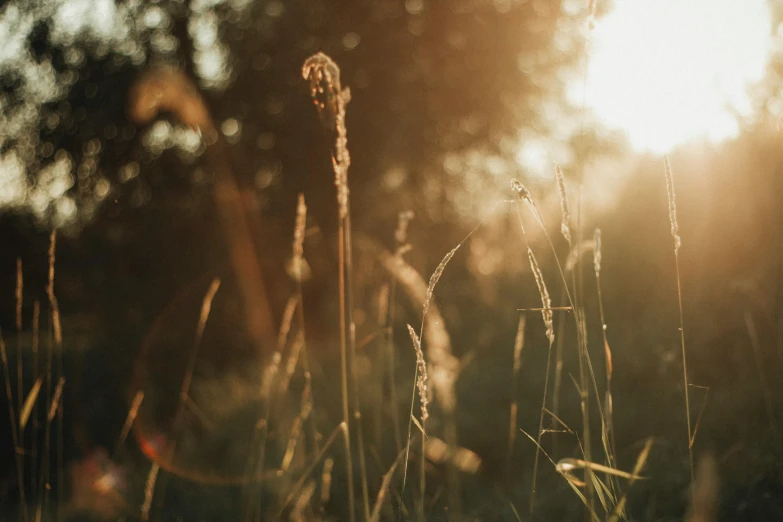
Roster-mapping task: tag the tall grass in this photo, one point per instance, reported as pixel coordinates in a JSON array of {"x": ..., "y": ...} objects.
[
  {"x": 330, "y": 99},
  {"x": 434, "y": 375},
  {"x": 675, "y": 231}
]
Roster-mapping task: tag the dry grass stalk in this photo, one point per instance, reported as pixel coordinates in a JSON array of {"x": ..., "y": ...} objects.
[
  {"x": 257, "y": 458},
  {"x": 546, "y": 302},
  {"x": 330, "y": 100},
  {"x": 641, "y": 460},
  {"x": 675, "y": 229},
  {"x": 299, "y": 233},
  {"x": 436, "y": 277},
  {"x": 29, "y": 403},
  {"x": 298, "y": 511},
  {"x": 565, "y": 228},
  {"x": 385, "y": 483},
  {"x": 421, "y": 381},
  {"x": 584, "y": 360},
  {"x": 340, "y": 429},
  {"x": 19, "y": 293},
  {"x": 285, "y": 324},
  {"x": 296, "y": 430},
  {"x": 568, "y": 465},
  {"x": 149, "y": 491},
  {"x": 129, "y": 419},
  {"x": 442, "y": 363},
  {"x": 19, "y": 373},
  {"x": 326, "y": 481},
  {"x": 387, "y": 310},
  {"x": 58, "y": 344},
  {"x": 597, "y": 255},
  {"x": 291, "y": 362},
  {"x": 677, "y": 243},
  {"x": 14, "y": 430},
  {"x": 421, "y": 385},
  {"x": 36, "y": 373},
  {"x": 521, "y": 191},
  {"x": 607, "y": 413},
  {"x": 300, "y": 346},
  {"x": 55, "y": 404},
  {"x": 184, "y": 391},
  {"x": 519, "y": 343},
  {"x": 270, "y": 375},
  {"x": 58, "y": 334}
]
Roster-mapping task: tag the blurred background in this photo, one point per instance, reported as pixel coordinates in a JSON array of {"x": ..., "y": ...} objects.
[{"x": 449, "y": 102}]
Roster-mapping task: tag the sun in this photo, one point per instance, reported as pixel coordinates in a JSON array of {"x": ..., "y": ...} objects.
[{"x": 670, "y": 71}]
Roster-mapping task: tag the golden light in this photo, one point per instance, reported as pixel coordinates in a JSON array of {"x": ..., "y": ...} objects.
[{"x": 670, "y": 71}]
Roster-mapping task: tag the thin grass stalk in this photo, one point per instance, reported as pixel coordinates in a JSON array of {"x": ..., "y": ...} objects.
[
  {"x": 299, "y": 233},
  {"x": 579, "y": 289},
  {"x": 256, "y": 462},
  {"x": 384, "y": 489},
  {"x": 19, "y": 362},
  {"x": 546, "y": 312},
  {"x": 341, "y": 428},
  {"x": 416, "y": 374},
  {"x": 149, "y": 490},
  {"x": 58, "y": 344},
  {"x": 14, "y": 430},
  {"x": 519, "y": 343},
  {"x": 391, "y": 363},
  {"x": 440, "y": 356},
  {"x": 443, "y": 363},
  {"x": 584, "y": 360},
  {"x": 608, "y": 408},
  {"x": 29, "y": 403},
  {"x": 401, "y": 239},
  {"x": 540, "y": 426},
  {"x": 675, "y": 231},
  {"x": 184, "y": 391},
  {"x": 523, "y": 193},
  {"x": 344, "y": 372},
  {"x": 43, "y": 485},
  {"x": 558, "y": 367},
  {"x": 34, "y": 414},
  {"x": 133, "y": 410},
  {"x": 330, "y": 100},
  {"x": 326, "y": 485},
  {"x": 421, "y": 385},
  {"x": 357, "y": 414}
]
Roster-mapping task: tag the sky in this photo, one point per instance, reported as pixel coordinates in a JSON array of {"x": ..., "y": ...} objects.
[{"x": 672, "y": 71}]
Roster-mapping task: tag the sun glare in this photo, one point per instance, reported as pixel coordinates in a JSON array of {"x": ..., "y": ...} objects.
[{"x": 670, "y": 71}]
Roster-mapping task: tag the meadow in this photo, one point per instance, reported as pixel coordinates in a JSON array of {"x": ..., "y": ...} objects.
[{"x": 570, "y": 356}]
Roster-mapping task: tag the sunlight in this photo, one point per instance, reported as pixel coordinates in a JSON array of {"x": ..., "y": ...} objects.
[{"x": 670, "y": 71}]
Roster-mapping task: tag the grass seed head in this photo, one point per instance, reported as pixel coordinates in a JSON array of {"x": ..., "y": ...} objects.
[
  {"x": 546, "y": 302},
  {"x": 672, "y": 204},
  {"x": 421, "y": 381},
  {"x": 565, "y": 229},
  {"x": 597, "y": 256},
  {"x": 521, "y": 191}
]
